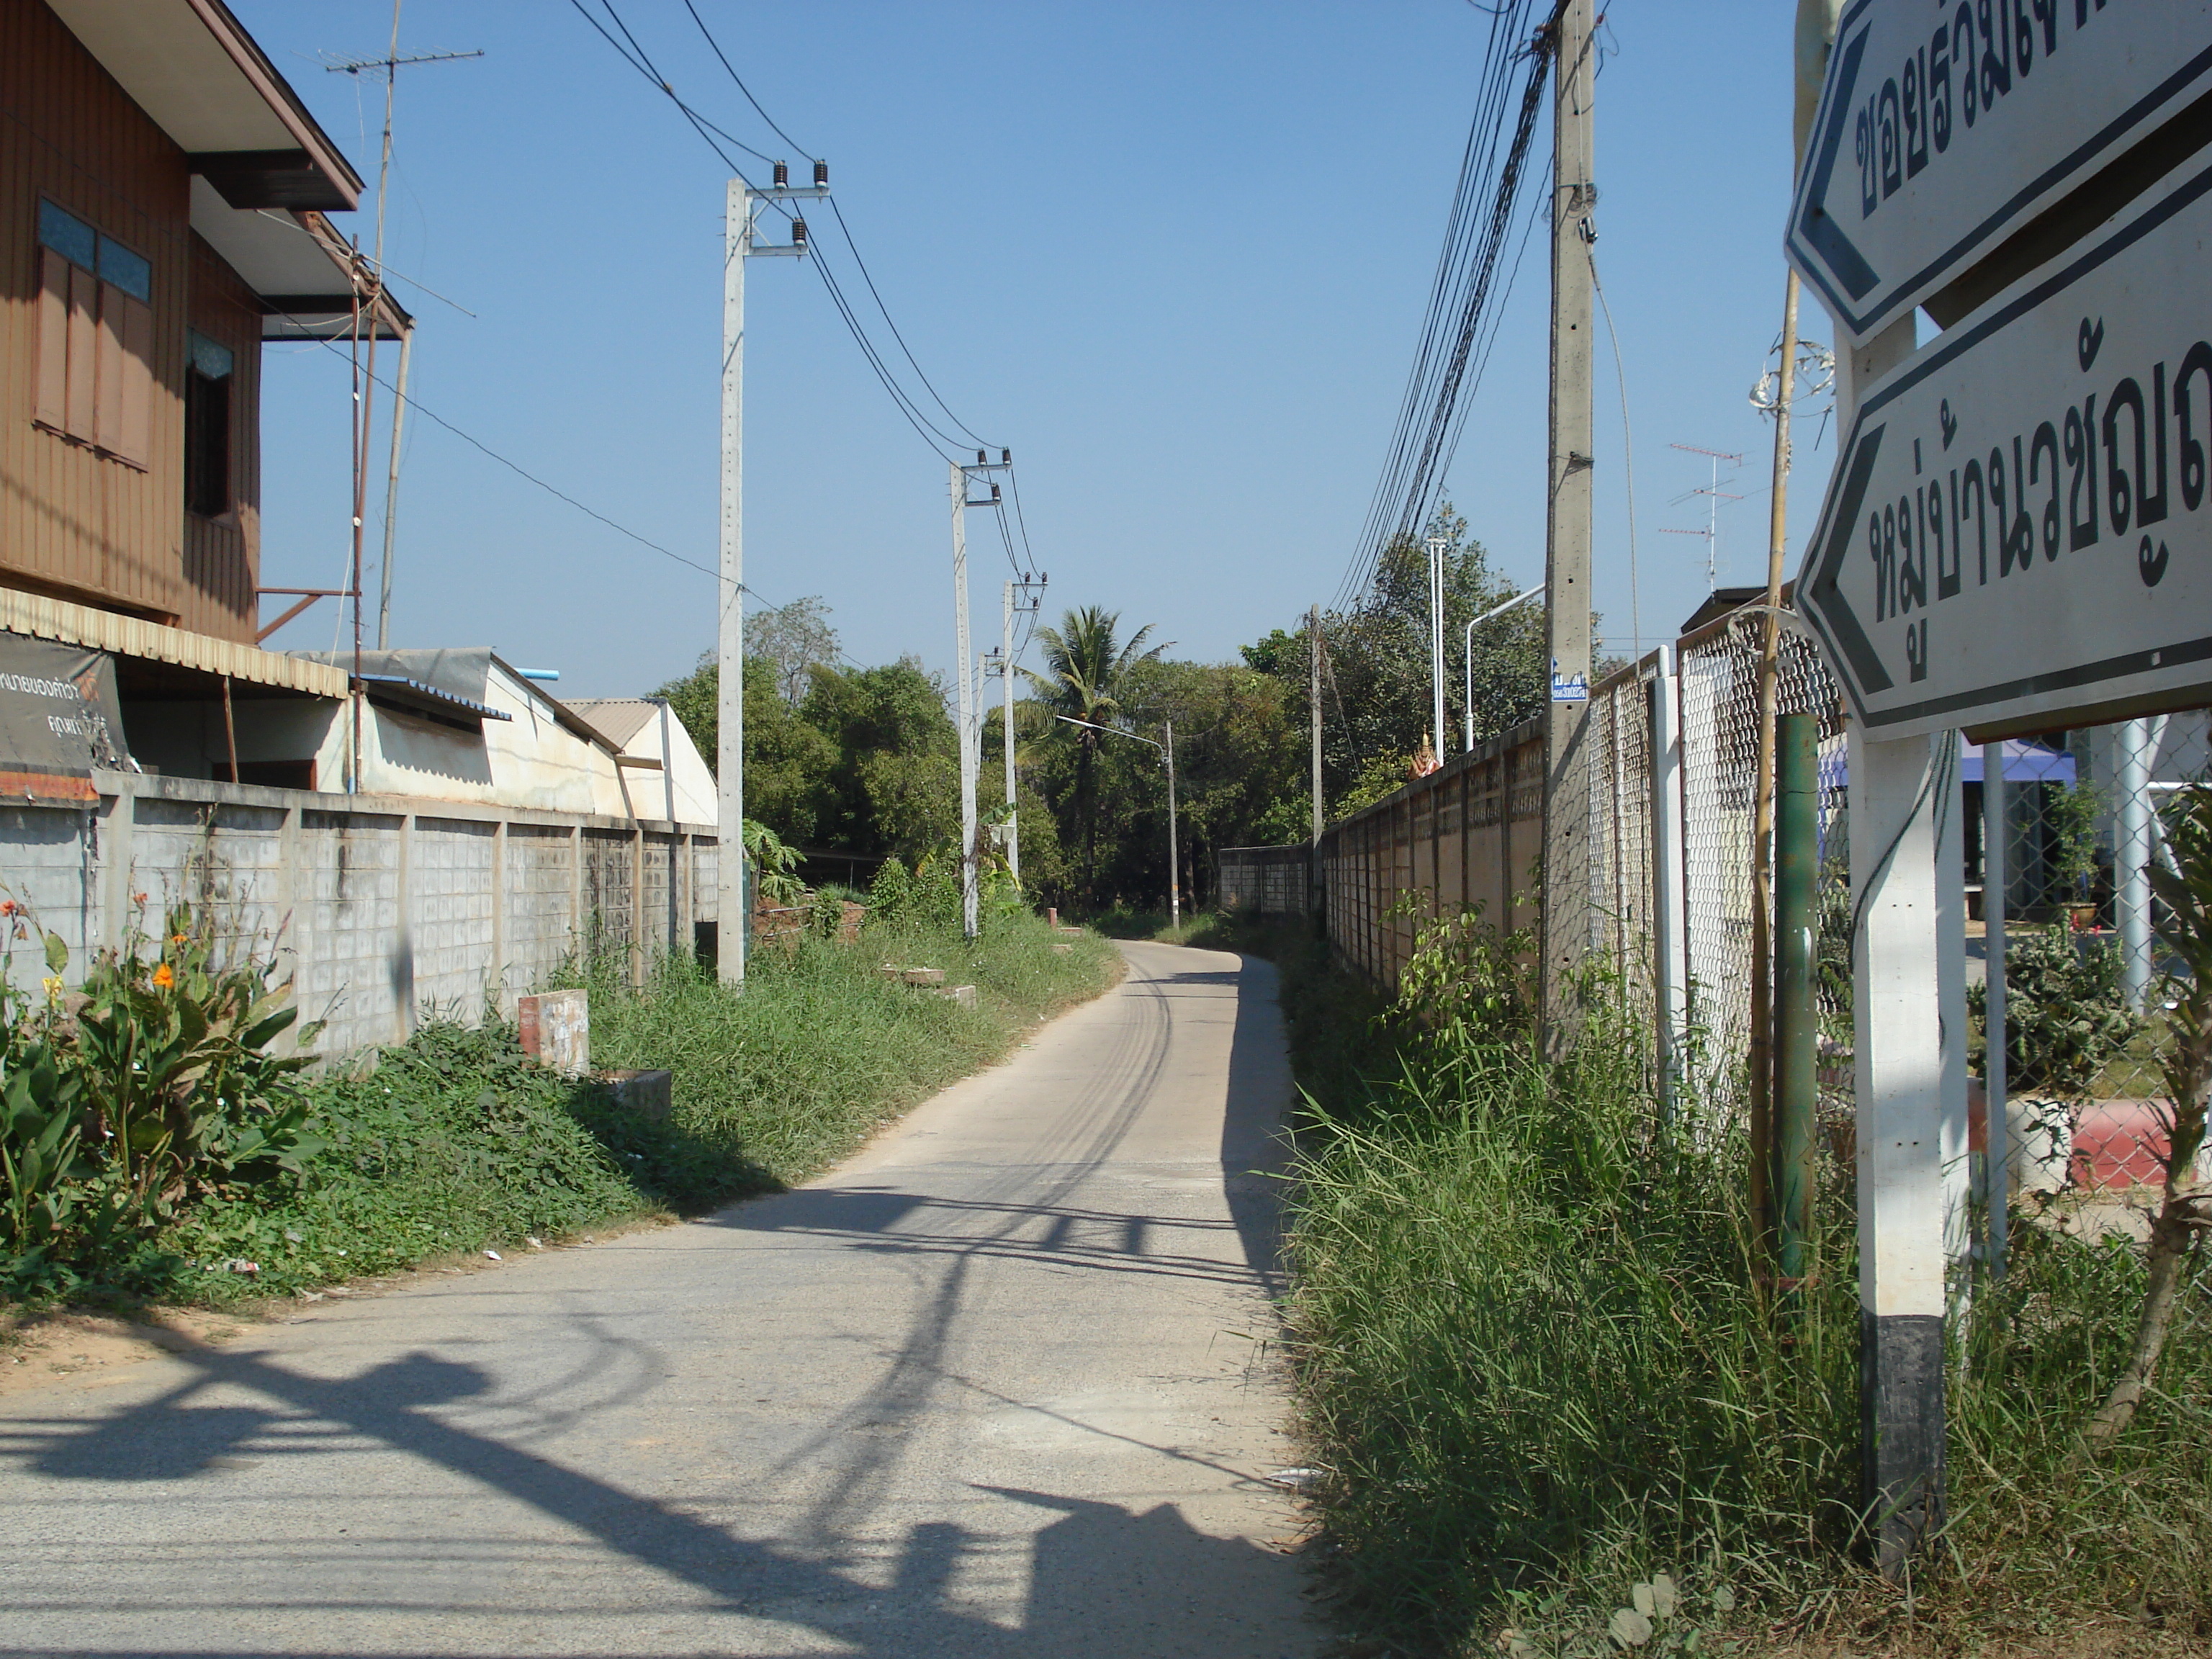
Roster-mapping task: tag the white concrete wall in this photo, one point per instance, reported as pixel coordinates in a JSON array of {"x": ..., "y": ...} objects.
[{"x": 381, "y": 908}]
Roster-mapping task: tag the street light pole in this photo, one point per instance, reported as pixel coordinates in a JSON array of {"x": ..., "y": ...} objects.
[
  {"x": 741, "y": 204},
  {"x": 1467, "y": 653},
  {"x": 1174, "y": 886}
]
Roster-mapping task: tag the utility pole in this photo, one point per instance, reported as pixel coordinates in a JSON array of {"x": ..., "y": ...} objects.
[
  {"x": 1567, "y": 528},
  {"x": 1015, "y": 598},
  {"x": 1175, "y": 876},
  {"x": 739, "y": 245},
  {"x": 1437, "y": 545},
  {"x": 1313, "y": 697},
  {"x": 971, "y": 748},
  {"x": 391, "y": 63}
]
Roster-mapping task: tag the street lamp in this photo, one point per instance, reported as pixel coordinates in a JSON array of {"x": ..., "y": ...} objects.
[
  {"x": 1467, "y": 655},
  {"x": 1175, "y": 886}
]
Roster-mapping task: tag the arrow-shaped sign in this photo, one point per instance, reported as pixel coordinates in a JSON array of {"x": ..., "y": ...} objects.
[
  {"x": 1943, "y": 128},
  {"x": 2019, "y": 533}
]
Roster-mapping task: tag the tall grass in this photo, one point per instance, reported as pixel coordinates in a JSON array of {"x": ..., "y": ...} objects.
[
  {"x": 453, "y": 1141},
  {"x": 1533, "y": 1368},
  {"x": 822, "y": 1048}
]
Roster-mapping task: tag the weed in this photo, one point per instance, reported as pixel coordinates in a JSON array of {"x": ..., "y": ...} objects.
[{"x": 1531, "y": 1360}]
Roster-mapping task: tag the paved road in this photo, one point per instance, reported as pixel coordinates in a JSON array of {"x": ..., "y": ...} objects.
[{"x": 1001, "y": 1385}]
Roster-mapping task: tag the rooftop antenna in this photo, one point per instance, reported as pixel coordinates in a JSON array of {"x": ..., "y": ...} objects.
[
  {"x": 391, "y": 63},
  {"x": 1714, "y": 495}
]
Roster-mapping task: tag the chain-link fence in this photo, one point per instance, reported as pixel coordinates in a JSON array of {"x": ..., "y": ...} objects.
[
  {"x": 1716, "y": 682},
  {"x": 1672, "y": 763},
  {"x": 2073, "y": 821}
]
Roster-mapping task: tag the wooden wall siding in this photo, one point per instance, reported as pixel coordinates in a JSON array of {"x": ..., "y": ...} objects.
[
  {"x": 73, "y": 523},
  {"x": 223, "y": 556}
]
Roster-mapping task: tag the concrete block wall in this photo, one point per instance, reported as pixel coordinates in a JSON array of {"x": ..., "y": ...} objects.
[{"x": 381, "y": 908}]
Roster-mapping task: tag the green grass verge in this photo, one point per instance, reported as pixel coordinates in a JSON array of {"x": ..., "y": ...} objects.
[
  {"x": 1529, "y": 1360},
  {"x": 454, "y": 1142}
]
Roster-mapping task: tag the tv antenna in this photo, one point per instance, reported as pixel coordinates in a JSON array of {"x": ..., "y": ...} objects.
[
  {"x": 391, "y": 63},
  {"x": 1714, "y": 495}
]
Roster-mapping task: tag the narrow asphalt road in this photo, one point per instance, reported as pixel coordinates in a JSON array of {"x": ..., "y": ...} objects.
[{"x": 1003, "y": 1384}]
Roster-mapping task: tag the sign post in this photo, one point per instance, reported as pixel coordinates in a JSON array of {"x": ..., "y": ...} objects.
[{"x": 2014, "y": 537}]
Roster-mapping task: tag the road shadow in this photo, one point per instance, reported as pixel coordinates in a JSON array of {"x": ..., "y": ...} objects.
[{"x": 1104, "y": 1580}]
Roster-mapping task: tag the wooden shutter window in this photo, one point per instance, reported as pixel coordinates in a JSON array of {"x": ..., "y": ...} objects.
[
  {"x": 52, "y": 407},
  {"x": 77, "y": 404},
  {"x": 134, "y": 426},
  {"x": 107, "y": 372}
]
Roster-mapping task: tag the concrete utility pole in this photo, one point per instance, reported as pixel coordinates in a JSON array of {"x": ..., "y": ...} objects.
[
  {"x": 1437, "y": 545},
  {"x": 1567, "y": 528},
  {"x": 1313, "y": 698},
  {"x": 967, "y": 712},
  {"x": 741, "y": 204},
  {"x": 1006, "y": 733},
  {"x": 971, "y": 728},
  {"x": 1017, "y": 599}
]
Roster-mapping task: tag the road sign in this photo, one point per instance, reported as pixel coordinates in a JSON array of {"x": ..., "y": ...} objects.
[
  {"x": 1945, "y": 125},
  {"x": 2017, "y": 534}
]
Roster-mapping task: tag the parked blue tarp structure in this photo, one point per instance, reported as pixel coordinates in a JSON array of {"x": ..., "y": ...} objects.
[{"x": 2026, "y": 761}]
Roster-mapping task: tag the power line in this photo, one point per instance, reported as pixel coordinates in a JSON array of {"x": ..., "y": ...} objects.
[
  {"x": 1459, "y": 316},
  {"x": 742, "y": 87},
  {"x": 416, "y": 407}
]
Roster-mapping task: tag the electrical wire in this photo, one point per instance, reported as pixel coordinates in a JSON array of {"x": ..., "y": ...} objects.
[
  {"x": 1627, "y": 453},
  {"x": 1459, "y": 316},
  {"x": 944, "y": 444},
  {"x": 743, "y": 87}
]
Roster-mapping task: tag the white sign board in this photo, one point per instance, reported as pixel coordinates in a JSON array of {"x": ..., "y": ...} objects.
[
  {"x": 1945, "y": 125},
  {"x": 2018, "y": 529}
]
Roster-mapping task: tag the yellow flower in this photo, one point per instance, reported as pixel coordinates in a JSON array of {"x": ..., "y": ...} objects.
[
  {"x": 164, "y": 976},
  {"x": 53, "y": 984}
]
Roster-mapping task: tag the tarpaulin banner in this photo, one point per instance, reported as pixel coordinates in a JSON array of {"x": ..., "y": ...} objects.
[{"x": 59, "y": 717}]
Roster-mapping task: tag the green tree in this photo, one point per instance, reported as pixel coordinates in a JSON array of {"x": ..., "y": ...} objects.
[
  {"x": 1086, "y": 669},
  {"x": 1376, "y": 693},
  {"x": 793, "y": 640},
  {"x": 894, "y": 784}
]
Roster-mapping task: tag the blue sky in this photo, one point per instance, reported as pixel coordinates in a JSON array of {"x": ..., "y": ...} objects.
[{"x": 1174, "y": 255}]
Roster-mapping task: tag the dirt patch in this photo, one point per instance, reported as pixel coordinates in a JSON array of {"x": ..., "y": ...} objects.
[
  {"x": 83, "y": 1350},
  {"x": 76, "y": 1349}
]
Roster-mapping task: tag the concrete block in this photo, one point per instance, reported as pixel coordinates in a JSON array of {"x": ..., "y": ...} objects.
[
  {"x": 557, "y": 1030},
  {"x": 963, "y": 994},
  {"x": 649, "y": 1094},
  {"x": 1062, "y": 950},
  {"x": 922, "y": 975}
]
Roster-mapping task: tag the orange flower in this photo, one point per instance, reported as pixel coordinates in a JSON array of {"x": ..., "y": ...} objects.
[
  {"x": 164, "y": 976},
  {"x": 8, "y": 907},
  {"x": 176, "y": 939}
]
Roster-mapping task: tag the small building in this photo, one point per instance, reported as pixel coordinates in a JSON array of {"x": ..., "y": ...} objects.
[{"x": 665, "y": 775}]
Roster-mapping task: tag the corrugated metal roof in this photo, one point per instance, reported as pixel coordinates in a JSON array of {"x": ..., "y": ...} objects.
[
  {"x": 620, "y": 718},
  {"x": 128, "y": 636}
]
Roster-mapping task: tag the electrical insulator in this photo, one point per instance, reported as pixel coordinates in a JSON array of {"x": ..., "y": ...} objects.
[
  {"x": 821, "y": 175},
  {"x": 1005, "y": 458},
  {"x": 798, "y": 233},
  {"x": 994, "y": 495},
  {"x": 982, "y": 460},
  {"x": 782, "y": 174}
]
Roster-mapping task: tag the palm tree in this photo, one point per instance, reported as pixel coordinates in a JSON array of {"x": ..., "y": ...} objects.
[{"x": 1085, "y": 671}]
